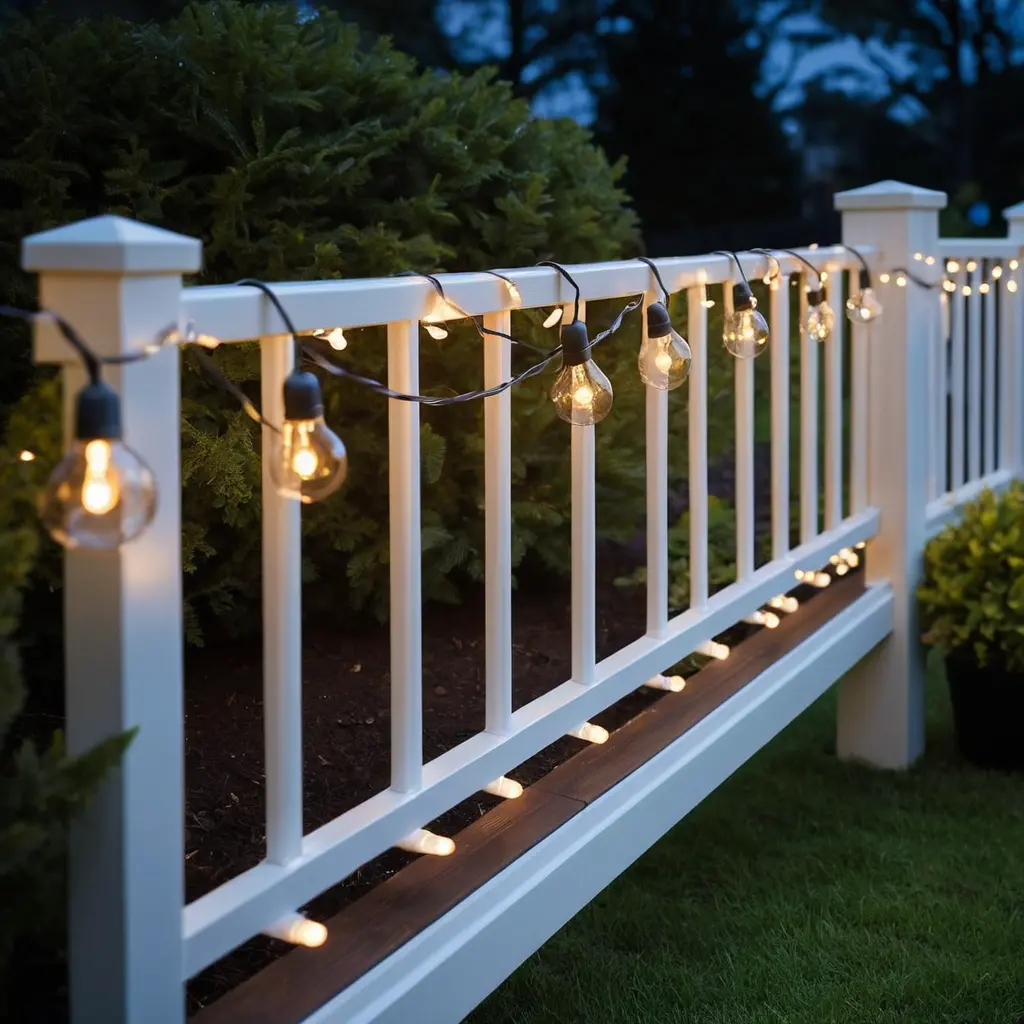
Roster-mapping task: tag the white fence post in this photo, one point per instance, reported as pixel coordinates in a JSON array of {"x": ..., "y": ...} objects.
[
  {"x": 881, "y": 702},
  {"x": 1012, "y": 340},
  {"x": 119, "y": 284}
]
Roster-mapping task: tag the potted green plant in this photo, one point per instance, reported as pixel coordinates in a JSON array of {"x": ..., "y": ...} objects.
[{"x": 971, "y": 605}]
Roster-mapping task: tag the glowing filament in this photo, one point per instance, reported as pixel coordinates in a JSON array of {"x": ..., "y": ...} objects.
[
  {"x": 27, "y": 456},
  {"x": 99, "y": 489}
]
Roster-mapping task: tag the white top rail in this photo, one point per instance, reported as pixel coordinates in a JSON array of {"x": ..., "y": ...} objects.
[
  {"x": 232, "y": 313},
  {"x": 980, "y": 248}
]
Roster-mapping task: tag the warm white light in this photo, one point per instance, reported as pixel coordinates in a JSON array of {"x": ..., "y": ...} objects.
[
  {"x": 422, "y": 841},
  {"x": 842, "y": 569},
  {"x": 784, "y": 603},
  {"x": 760, "y": 618},
  {"x": 967, "y": 289},
  {"x": 884, "y": 278},
  {"x": 707, "y": 303},
  {"x": 901, "y": 281},
  {"x": 673, "y": 684},
  {"x": 553, "y": 317},
  {"x": 1014, "y": 264},
  {"x": 590, "y": 733},
  {"x": 799, "y": 574},
  {"x": 713, "y": 649},
  {"x": 813, "y": 246},
  {"x": 299, "y": 930},
  {"x": 983, "y": 287},
  {"x": 818, "y": 579},
  {"x": 304, "y": 463},
  {"x": 950, "y": 286},
  {"x": 972, "y": 266},
  {"x": 833, "y": 559},
  {"x": 997, "y": 271},
  {"x": 504, "y": 787},
  {"x": 860, "y": 545},
  {"x": 850, "y": 557},
  {"x": 27, "y": 456},
  {"x": 436, "y": 331},
  {"x": 337, "y": 340},
  {"x": 1011, "y": 286},
  {"x": 952, "y": 267},
  {"x": 583, "y": 396},
  {"x": 767, "y": 279},
  {"x": 919, "y": 256},
  {"x": 929, "y": 260},
  {"x": 99, "y": 489}
]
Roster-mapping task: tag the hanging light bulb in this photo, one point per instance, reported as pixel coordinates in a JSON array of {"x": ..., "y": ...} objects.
[
  {"x": 664, "y": 355},
  {"x": 820, "y": 321},
  {"x": 308, "y": 461},
  {"x": 744, "y": 331},
  {"x": 101, "y": 494},
  {"x": 863, "y": 306},
  {"x": 582, "y": 393}
]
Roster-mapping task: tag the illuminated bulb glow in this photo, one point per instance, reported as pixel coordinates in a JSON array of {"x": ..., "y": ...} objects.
[
  {"x": 950, "y": 286},
  {"x": 784, "y": 603},
  {"x": 860, "y": 545},
  {"x": 583, "y": 396},
  {"x": 919, "y": 256},
  {"x": 842, "y": 569},
  {"x": 833, "y": 559},
  {"x": 503, "y": 787},
  {"x": 27, "y": 456},
  {"x": 884, "y": 278},
  {"x": 298, "y": 930},
  {"x": 422, "y": 841},
  {"x": 901, "y": 282},
  {"x": 99, "y": 492},
  {"x": 1011, "y": 286},
  {"x": 997, "y": 271},
  {"x": 984, "y": 288},
  {"x": 713, "y": 649},
  {"x": 799, "y": 574},
  {"x": 673, "y": 684},
  {"x": 553, "y": 317},
  {"x": 767, "y": 619},
  {"x": 436, "y": 331},
  {"x": 930, "y": 261},
  {"x": 818, "y": 579},
  {"x": 1014, "y": 264},
  {"x": 972, "y": 266},
  {"x": 967, "y": 289},
  {"x": 952, "y": 267},
  {"x": 589, "y": 733},
  {"x": 850, "y": 557}
]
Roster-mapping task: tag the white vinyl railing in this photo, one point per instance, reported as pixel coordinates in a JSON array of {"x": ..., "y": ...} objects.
[{"x": 120, "y": 283}]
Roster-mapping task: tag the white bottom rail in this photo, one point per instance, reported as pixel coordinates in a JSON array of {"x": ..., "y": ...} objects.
[
  {"x": 448, "y": 968},
  {"x": 245, "y": 905},
  {"x": 946, "y": 509}
]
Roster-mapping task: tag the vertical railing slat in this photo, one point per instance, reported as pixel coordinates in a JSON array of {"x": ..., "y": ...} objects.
[
  {"x": 697, "y": 321},
  {"x": 657, "y": 501},
  {"x": 498, "y": 526},
  {"x": 779, "y": 344},
  {"x": 282, "y": 626},
  {"x": 584, "y": 546},
  {"x": 834, "y": 405},
  {"x": 860, "y": 355},
  {"x": 989, "y": 402},
  {"x": 1010, "y": 365},
  {"x": 974, "y": 343},
  {"x": 940, "y": 378},
  {"x": 744, "y": 410},
  {"x": 406, "y": 561},
  {"x": 808, "y": 424},
  {"x": 956, "y": 404}
]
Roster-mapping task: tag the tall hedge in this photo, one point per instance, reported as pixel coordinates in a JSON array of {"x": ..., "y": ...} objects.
[{"x": 294, "y": 153}]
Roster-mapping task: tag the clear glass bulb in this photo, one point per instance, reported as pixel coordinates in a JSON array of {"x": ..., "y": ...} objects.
[
  {"x": 664, "y": 362},
  {"x": 100, "y": 496},
  {"x": 308, "y": 461},
  {"x": 863, "y": 307},
  {"x": 821, "y": 322},
  {"x": 745, "y": 333},
  {"x": 582, "y": 394}
]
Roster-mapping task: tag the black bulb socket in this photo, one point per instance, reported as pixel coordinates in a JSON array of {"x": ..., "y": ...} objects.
[
  {"x": 865, "y": 279},
  {"x": 815, "y": 297},
  {"x": 659, "y": 323},
  {"x": 303, "y": 399},
  {"x": 575, "y": 343},
  {"x": 743, "y": 297},
  {"x": 97, "y": 413}
]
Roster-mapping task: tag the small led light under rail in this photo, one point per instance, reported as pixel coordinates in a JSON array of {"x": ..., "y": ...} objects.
[
  {"x": 299, "y": 930},
  {"x": 713, "y": 649},
  {"x": 503, "y": 787},
  {"x": 784, "y": 603},
  {"x": 590, "y": 733},
  {"x": 761, "y": 618},
  {"x": 672, "y": 684},
  {"x": 422, "y": 841}
]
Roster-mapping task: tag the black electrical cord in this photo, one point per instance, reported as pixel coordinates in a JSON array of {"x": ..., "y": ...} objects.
[
  {"x": 807, "y": 263},
  {"x": 776, "y": 272},
  {"x": 863, "y": 262},
  {"x": 576, "y": 288},
  {"x": 929, "y": 285},
  {"x": 657, "y": 277}
]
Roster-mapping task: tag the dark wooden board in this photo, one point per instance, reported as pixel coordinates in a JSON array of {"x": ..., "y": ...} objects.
[{"x": 375, "y": 926}]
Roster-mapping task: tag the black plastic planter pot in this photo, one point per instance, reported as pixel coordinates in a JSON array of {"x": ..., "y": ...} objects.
[{"x": 988, "y": 712}]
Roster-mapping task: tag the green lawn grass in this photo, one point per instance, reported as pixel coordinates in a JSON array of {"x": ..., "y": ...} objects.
[{"x": 806, "y": 891}]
